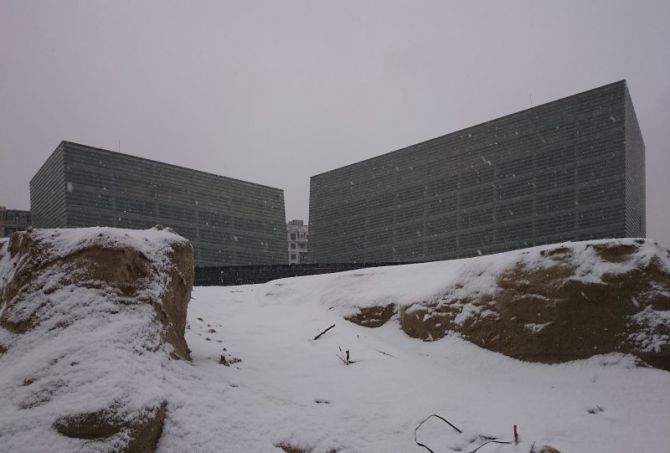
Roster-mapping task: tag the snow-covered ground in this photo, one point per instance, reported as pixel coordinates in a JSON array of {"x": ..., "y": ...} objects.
[{"x": 290, "y": 389}]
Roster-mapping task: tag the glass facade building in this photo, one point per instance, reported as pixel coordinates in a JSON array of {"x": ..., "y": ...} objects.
[
  {"x": 229, "y": 222},
  {"x": 571, "y": 169}
]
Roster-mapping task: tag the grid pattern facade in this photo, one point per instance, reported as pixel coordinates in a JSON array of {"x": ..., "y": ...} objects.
[
  {"x": 13, "y": 220},
  {"x": 229, "y": 222},
  {"x": 571, "y": 169}
]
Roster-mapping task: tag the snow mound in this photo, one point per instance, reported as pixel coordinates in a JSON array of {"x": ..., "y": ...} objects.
[
  {"x": 89, "y": 318},
  {"x": 551, "y": 303}
]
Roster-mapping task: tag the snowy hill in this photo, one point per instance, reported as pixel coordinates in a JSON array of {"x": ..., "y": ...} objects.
[
  {"x": 258, "y": 381},
  {"x": 292, "y": 390}
]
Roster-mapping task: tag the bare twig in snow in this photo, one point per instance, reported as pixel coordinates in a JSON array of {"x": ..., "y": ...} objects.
[
  {"x": 319, "y": 335},
  {"x": 344, "y": 356},
  {"x": 424, "y": 421},
  {"x": 487, "y": 439}
]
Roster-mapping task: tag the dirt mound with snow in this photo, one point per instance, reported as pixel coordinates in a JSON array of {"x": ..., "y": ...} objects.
[
  {"x": 549, "y": 304},
  {"x": 88, "y": 318}
]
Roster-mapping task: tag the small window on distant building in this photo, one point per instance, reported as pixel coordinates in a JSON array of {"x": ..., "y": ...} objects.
[
  {"x": 292, "y": 245},
  {"x": 293, "y": 236},
  {"x": 292, "y": 256}
]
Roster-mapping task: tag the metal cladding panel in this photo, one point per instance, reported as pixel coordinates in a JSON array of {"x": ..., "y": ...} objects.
[
  {"x": 552, "y": 173},
  {"x": 636, "y": 212},
  {"x": 47, "y": 193},
  {"x": 229, "y": 222}
]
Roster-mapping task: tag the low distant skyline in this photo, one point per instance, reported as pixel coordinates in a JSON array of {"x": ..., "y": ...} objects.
[{"x": 275, "y": 92}]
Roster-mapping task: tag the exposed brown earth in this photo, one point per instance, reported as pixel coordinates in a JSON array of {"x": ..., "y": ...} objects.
[
  {"x": 373, "y": 316},
  {"x": 124, "y": 278},
  {"x": 549, "y": 313},
  {"x": 121, "y": 269},
  {"x": 143, "y": 431}
]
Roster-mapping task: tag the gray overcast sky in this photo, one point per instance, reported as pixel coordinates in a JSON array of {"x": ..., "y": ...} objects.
[{"x": 276, "y": 91}]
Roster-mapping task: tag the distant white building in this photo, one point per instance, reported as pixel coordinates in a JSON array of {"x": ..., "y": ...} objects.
[{"x": 297, "y": 235}]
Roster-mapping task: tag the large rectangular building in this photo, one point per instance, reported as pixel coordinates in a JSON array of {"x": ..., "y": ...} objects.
[
  {"x": 229, "y": 222},
  {"x": 571, "y": 169}
]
